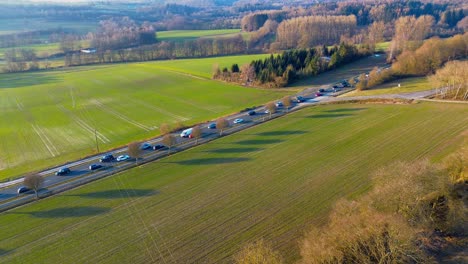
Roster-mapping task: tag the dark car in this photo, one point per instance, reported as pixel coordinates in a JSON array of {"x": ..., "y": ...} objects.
[
  {"x": 159, "y": 147},
  {"x": 212, "y": 126},
  {"x": 95, "y": 166},
  {"x": 107, "y": 158},
  {"x": 318, "y": 94},
  {"x": 63, "y": 171},
  {"x": 323, "y": 90},
  {"x": 145, "y": 146},
  {"x": 251, "y": 113},
  {"x": 22, "y": 189},
  {"x": 300, "y": 99}
]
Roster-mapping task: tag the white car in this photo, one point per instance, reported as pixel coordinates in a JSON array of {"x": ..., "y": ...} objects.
[
  {"x": 238, "y": 120},
  {"x": 123, "y": 157}
]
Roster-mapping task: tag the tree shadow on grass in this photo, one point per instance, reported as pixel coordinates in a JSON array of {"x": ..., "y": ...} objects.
[
  {"x": 233, "y": 150},
  {"x": 4, "y": 252},
  {"x": 259, "y": 141},
  {"x": 282, "y": 133},
  {"x": 211, "y": 161},
  {"x": 22, "y": 80},
  {"x": 329, "y": 115},
  {"x": 345, "y": 110},
  {"x": 119, "y": 193},
  {"x": 70, "y": 212}
]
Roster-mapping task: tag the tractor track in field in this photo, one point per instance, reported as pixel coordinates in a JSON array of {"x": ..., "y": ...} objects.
[
  {"x": 45, "y": 140},
  {"x": 160, "y": 110},
  {"x": 119, "y": 115},
  {"x": 85, "y": 126}
]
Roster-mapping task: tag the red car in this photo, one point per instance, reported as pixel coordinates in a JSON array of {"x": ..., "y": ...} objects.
[{"x": 318, "y": 94}]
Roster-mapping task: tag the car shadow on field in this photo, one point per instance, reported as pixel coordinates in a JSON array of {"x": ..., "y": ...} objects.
[
  {"x": 233, "y": 150},
  {"x": 211, "y": 161},
  {"x": 339, "y": 110},
  {"x": 328, "y": 115},
  {"x": 77, "y": 211},
  {"x": 259, "y": 141},
  {"x": 282, "y": 133},
  {"x": 119, "y": 193}
]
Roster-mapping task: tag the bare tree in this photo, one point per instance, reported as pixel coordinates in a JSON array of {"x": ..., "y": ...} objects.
[
  {"x": 286, "y": 102},
  {"x": 134, "y": 150},
  {"x": 34, "y": 182},
  {"x": 247, "y": 74},
  {"x": 169, "y": 140},
  {"x": 196, "y": 133},
  {"x": 221, "y": 124},
  {"x": 164, "y": 128},
  {"x": 271, "y": 107}
]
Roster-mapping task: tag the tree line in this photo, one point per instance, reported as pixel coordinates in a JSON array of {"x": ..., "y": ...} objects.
[
  {"x": 285, "y": 68},
  {"x": 431, "y": 56}
]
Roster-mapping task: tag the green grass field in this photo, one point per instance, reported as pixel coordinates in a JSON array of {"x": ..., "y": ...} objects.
[
  {"x": 180, "y": 35},
  {"x": 407, "y": 85},
  {"x": 40, "y": 49},
  {"x": 43, "y": 49},
  {"x": 382, "y": 46},
  {"x": 202, "y": 205},
  {"x": 50, "y": 117},
  {"x": 204, "y": 67}
]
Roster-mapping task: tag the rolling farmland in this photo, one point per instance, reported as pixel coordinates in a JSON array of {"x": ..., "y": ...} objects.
[
  {"x": 202, "y": 205},
  {"x": 49, "y": 117}
]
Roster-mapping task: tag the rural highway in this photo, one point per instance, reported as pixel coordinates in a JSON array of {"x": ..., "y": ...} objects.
[
  {"x": 80, "y": 173},
  {"x": 80, "y": 169}
]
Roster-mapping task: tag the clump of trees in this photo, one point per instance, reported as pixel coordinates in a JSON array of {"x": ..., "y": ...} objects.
[
  {"x": 122, "y": 33},
  {"x": 283, "y": 69},
  {"x": 451, "y": 81},
  {"x": 431, "y": 55},
  {"x": 255, "y": 21},
  {"x": 427, "y": 60},
  {"x": 310, "y": 31},
  {"x": 23, "y": 59},
  {"x": 410, "y": 33}
]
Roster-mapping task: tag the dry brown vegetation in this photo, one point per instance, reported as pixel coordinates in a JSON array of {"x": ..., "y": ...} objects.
[
  {"x": 258, "y": 252},
  {"x": 452, "y": 81}
]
